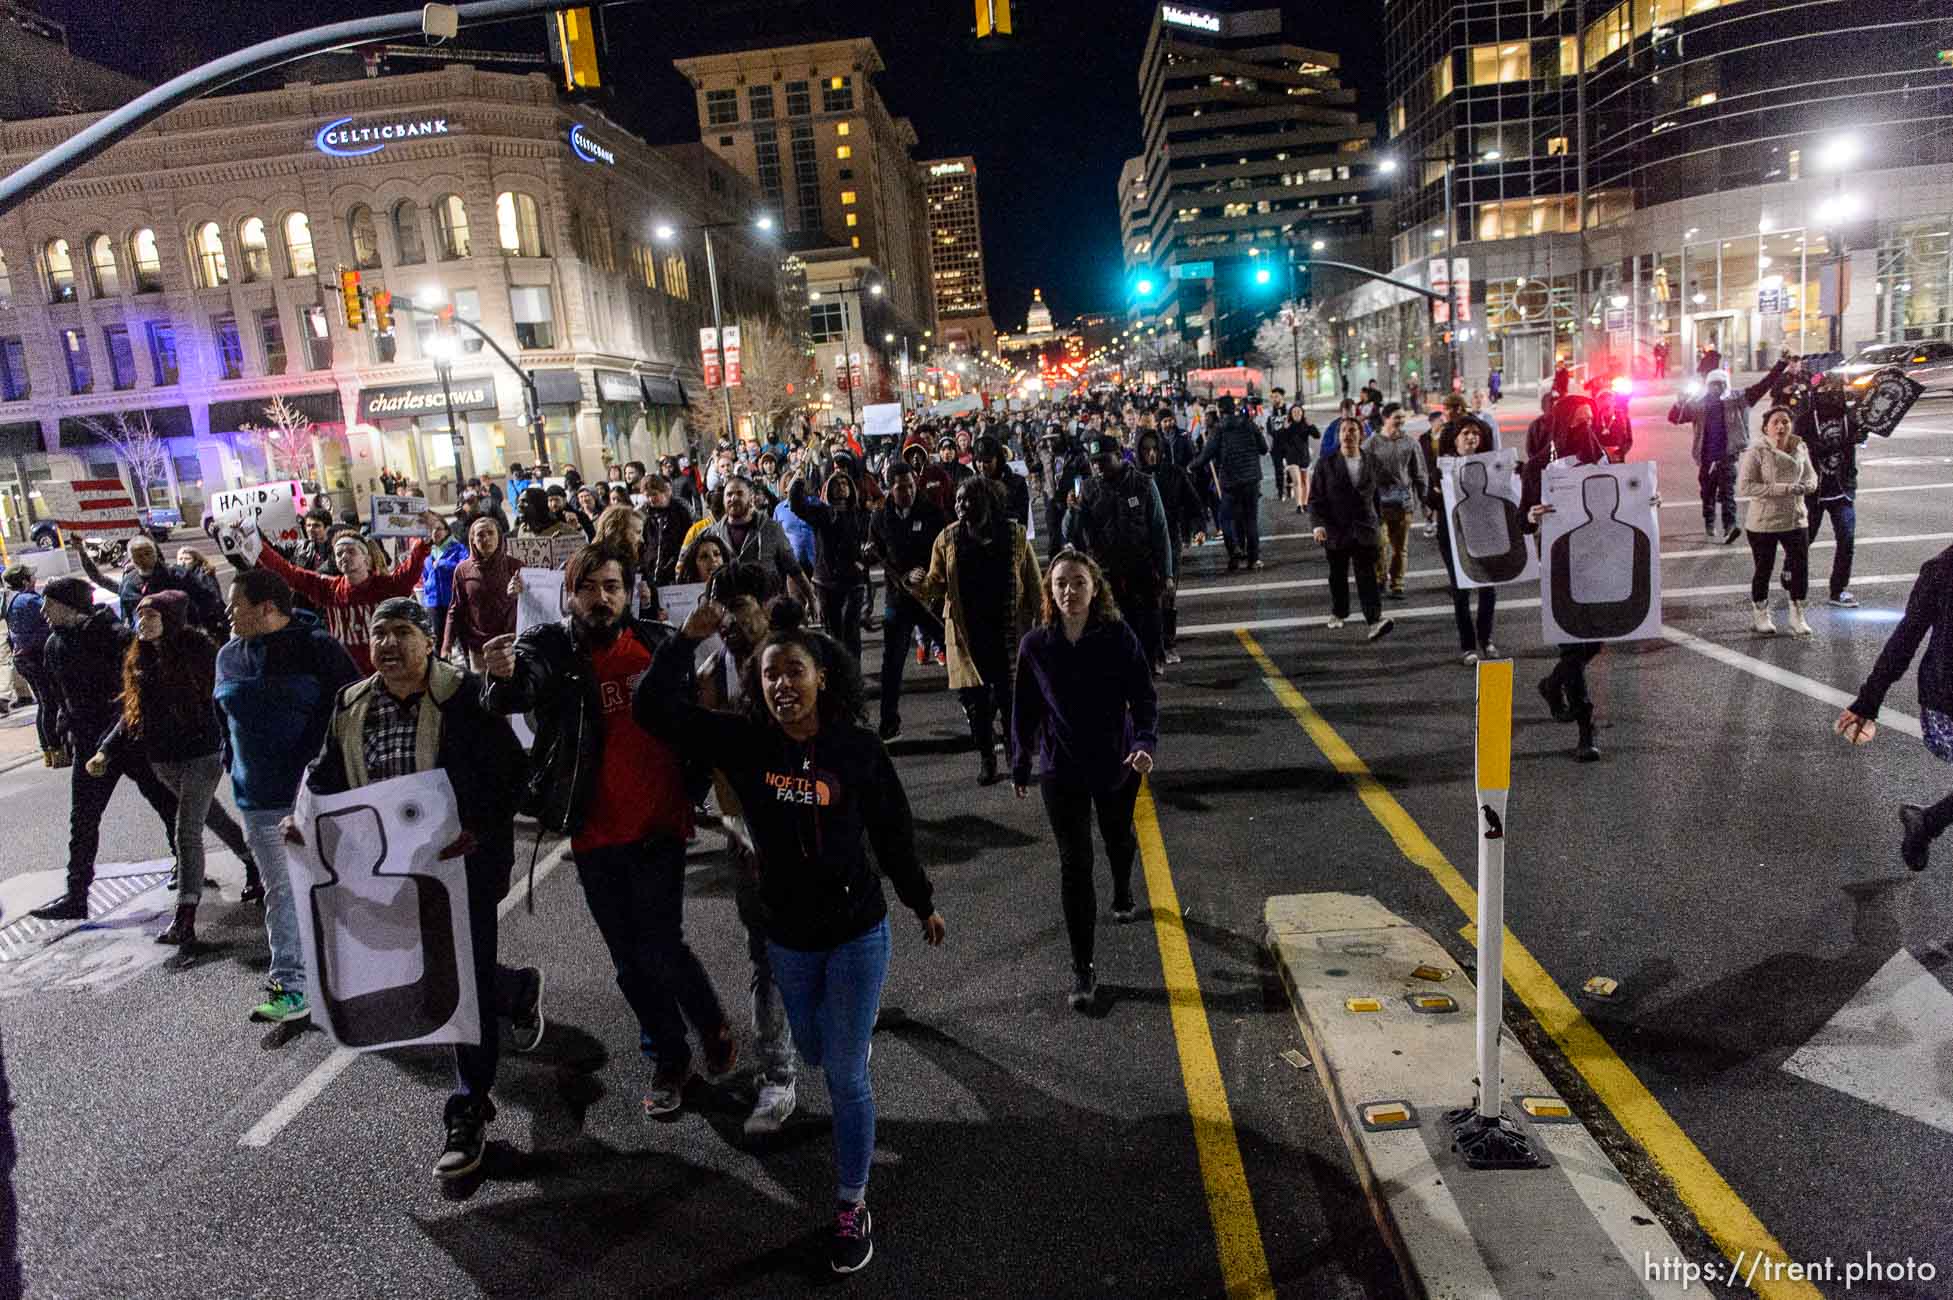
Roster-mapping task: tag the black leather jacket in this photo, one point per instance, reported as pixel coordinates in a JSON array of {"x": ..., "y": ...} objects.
[{"x": 553, "y": 679}]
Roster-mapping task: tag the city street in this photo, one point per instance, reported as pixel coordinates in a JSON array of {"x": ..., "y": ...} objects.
[{"x": 1783, "y": 1009}]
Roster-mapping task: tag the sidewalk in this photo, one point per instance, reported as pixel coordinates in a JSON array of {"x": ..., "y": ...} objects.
[{"x": 19, "y": 742}]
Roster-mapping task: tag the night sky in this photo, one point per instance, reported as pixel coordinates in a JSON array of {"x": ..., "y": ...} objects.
[{"x": 1049, "y": 120}]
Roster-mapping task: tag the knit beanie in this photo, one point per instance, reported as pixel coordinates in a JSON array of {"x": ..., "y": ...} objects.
[
  {"x": 172, "y": 606},
  {"x": 76, "y": 593}
]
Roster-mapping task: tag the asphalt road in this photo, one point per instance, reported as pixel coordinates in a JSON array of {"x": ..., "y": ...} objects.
[{"x": 1729, "y": 861}]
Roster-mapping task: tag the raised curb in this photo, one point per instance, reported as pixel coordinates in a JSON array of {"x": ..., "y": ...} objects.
[{"x": 1574, "y": 1228}]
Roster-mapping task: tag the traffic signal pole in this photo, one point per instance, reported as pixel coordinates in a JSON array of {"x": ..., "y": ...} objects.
[{"x": 431, "y": 20}]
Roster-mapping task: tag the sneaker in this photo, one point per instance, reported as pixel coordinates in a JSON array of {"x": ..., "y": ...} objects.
[
  {"x": 68, "y": 907},
  {"x": 1491, "y": 651},
  {"x": 852, "y": 1244},
  {"x": 721, "y": 1053},
  {"x": 1710, "y": 531},
  {"x": 1381, "y": 630},
  {"x": 1915, "y": 843},
  {"x": 941, "y": 656},
  {"x": 284, "y": 1004},
  {"x": 1397, "y": 593},
  {"x": 889, "y": 731},
  {"x": 770, "y": 1112},
  {"x": 1333, "y": 623},
  {"x": 1730, "y": 534},
  {"x": 253, "y": 892},
  {"x": 1468, "y": 658},
  {"x": 667, "y": 1093},
  {"x": 921, "y": 655},
  {"x": 466, "y": 1120},
  {"x": 1255, "y": 565},
  {"x": 1159, "y": 670},
  {"x": 526, "y": 1022},
  {"x": 1124, "y": 910},
  {"x": 1845, "y": 600},
  {"x": 1084, "y": 990},
  {"x": 1172, "y": 656},
  {"x": 1556, "y": 701}
]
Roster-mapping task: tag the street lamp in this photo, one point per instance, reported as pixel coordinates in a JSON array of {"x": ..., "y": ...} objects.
[
  {"x": 441, "y": 350},
  {"x": 1836, "y": 155},
  {"x": 666, "y": 233}
]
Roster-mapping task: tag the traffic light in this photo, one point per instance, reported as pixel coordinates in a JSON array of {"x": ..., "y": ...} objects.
[
  {"x": 576, "y": 42},
  {"x": 992, "y": 18},
  {"x": 349, "y": 297},
  {"x": 382, "y": 312},
  {"x": 1263, "y": 275}
]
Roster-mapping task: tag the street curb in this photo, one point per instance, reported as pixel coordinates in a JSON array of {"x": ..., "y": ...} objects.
[{"x": 1573, "y": 1228}]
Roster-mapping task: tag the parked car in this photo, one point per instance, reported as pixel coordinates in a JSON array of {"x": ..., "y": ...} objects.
[{"x": 1929, "y": 362}]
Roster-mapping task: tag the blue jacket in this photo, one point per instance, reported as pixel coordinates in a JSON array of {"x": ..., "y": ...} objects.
[
  {"x": 437, "y": 574},
  {"x": 274, "y": 698},
  {"x": 27, "y": 625},
  {"x": 800, "y": 533}
]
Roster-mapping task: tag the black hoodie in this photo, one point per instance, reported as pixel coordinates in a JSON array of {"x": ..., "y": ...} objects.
[{"x": 813, "y": 808}]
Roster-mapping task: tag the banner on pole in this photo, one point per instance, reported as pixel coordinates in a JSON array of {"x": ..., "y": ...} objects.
[
  {"x": 730, "y": 344},
  {"x": 708, "y": 349},
  {"x": 382, "y": 917}
]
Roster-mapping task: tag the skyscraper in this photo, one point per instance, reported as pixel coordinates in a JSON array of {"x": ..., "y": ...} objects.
[
  {"x": 807, "y": 126},
  {"x": 949, "y": 187},
  {"x": 1252, "y": 148}
]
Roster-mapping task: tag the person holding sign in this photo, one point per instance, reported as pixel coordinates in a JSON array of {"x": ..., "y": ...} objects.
[
  {"x": 437, "y": 573},
  {"x": 418, "y": 714},
  {"x": 1465, "y": 437},
  {"x": 348, "y": 599},
  {"x": 484, "y": 603}
]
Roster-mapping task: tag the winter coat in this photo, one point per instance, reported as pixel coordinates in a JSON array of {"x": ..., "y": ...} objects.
[
  {"x": 1235, "y": 449},
  {"x": 664, "y": 538},
  {"x": 206, "y": 606},
  {"x": 1735, "y": 413},
  {"x": 347, "y": 608},
  {"x": 554, "y": 680},
  {"x": 483, "y": 607},
  {"x": 1080, "y": 708},
  {"x": 1345, "y": 508},
  {"x": 1929, "y": 609},
  {"x": 839, "y": 536},
  {"x": 766, "y": 545},
  {"x": 437, "y": 574},
  {"x": 274, "y": 695},
  {"x": 1401, "y": 481},
  {"x": 1123, "y": 526},
  {"x": 1830, "y": 428},
  {"x": 1775, "y": 484},
  {"x": 906, "y": 541},
  {"x": 940, "y": 583},
  {"x": 85, "y": 658},
  {"x": 176, "y": 731}
]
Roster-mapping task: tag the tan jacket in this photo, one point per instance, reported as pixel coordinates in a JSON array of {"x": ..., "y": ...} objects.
[
  {"x": 941, "y": 584},
  {"x": 1775, "y": 484}
]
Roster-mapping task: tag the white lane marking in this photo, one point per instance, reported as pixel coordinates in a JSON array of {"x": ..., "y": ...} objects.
[
  {"x": 1529, "y": 602},
  {"x": 288, "y": 1108},
  {"x": 1887, "y": 1046},
  {"x": 1904, "y": 723},
  {"x": 1700, "y": 553}
]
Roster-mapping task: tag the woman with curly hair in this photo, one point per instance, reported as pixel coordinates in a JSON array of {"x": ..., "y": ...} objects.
[
  {"x": 168, "y": 676},
  {"x": 1085, "y": 706},
  {"x": 817, "y": 788},
  {"x": 701, "y": 558}
]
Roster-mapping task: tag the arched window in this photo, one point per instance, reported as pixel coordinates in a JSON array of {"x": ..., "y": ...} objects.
[
  {"x": 366, "y": 242},
  {"x": 6, "y": 284},
  {"x": 60, "y": 272},
  {"x": 254, "y": 249},
  {"x": 147, "y": 260},
  {"x": 208, "y": 249},
  {"x": 101, "y": 266},
  {"x": 406, "y": 233},
  {"x": 298, "y": 244},
  {"x": 518, "y": 225},
  {"x": 451, "y": 220}
]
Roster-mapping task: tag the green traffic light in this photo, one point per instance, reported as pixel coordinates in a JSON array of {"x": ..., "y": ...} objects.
[
  {"x": 1263, "y": 276},
  {"x": 1146, "y": 286}
]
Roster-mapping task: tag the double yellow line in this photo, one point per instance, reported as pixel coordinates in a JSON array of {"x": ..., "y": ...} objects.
[{"x": 1715, "y": 1204}]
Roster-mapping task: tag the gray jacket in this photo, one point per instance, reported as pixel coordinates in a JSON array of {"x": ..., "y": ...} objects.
[
  {"x": 1400, "y": 469},
  {"x": 1736, "y": 404},
  {"x": 766, "y": 546}
]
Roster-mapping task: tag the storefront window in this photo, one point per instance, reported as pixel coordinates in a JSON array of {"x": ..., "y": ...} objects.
[{"x": 1915, "y": 280}]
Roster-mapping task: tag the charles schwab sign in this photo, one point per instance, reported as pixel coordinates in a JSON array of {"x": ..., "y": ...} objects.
[
  {"x": 347, "y": 137},
  {"x": 402, "y": 401}
]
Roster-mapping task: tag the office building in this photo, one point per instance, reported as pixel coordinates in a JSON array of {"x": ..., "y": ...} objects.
[
  {"x": 191, "y": 273},
  {"x": 1673, "y": 175},
  {"x": 949, "y": 187},
  {"x": 1251, "y": 149},
  {"x": 806, "y": 126}
]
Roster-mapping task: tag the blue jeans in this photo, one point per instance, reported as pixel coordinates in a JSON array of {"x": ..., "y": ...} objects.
[
  {"x": 832, "y": 999},
  {"x": 1844, "y": 527},
  {"x": 280, "y": 913}
]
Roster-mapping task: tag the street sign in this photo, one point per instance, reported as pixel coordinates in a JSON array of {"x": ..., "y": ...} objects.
[
  {"x": 1192, "y": 271},
  {"x": 708, "y": 348}
]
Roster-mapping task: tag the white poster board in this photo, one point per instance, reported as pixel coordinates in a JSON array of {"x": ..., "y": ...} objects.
[
  {"x": 540, "y": 601},
  {"x": 545, "y": 552},
  {"x": 1600, "y": 551},
  {"x": 399, "y": 517},
  {"x": 1489, "y": 545},
  {"x": 958, "y": 405},
  {"x": 882, "y": 418},
  {"x": 382, "y": 918},
  {"x": 89, "y": 505},
  {"x": 274, "y": 507},
  {"x": 240, "y": 537},
  {"x": 679, "y": 600}
]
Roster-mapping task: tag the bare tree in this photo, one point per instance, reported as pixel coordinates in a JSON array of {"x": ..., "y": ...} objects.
[
  {"x": 775, "y": 375},
  {"x": 1293, "y": 343},
  {"x": 136, "y": 441},
  {"x": 287, "y": 439}
]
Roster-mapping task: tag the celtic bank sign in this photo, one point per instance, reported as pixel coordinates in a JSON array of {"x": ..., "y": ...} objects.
[{"x": 348, "y": 137}]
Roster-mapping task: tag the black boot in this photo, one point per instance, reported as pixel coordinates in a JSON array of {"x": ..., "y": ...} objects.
[
  {"x": 987, "y": 767},
  {"x": 1917, "y": 839},
  {"x": 68, "y": 907},
  {"x": 1555, "y": 698},
  {"x": 183, "y": 930},
  {"x": 253, "y": 883},
  {"x": 1583, "y": 749}
]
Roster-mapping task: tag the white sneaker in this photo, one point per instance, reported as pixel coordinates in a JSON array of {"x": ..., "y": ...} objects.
[
  {"x": 1333, "y": 624},
  {"x": 776, "y": 1102},
  {"x": 1760, "y": 623},
  {"x": 1798, "y": 627}
]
